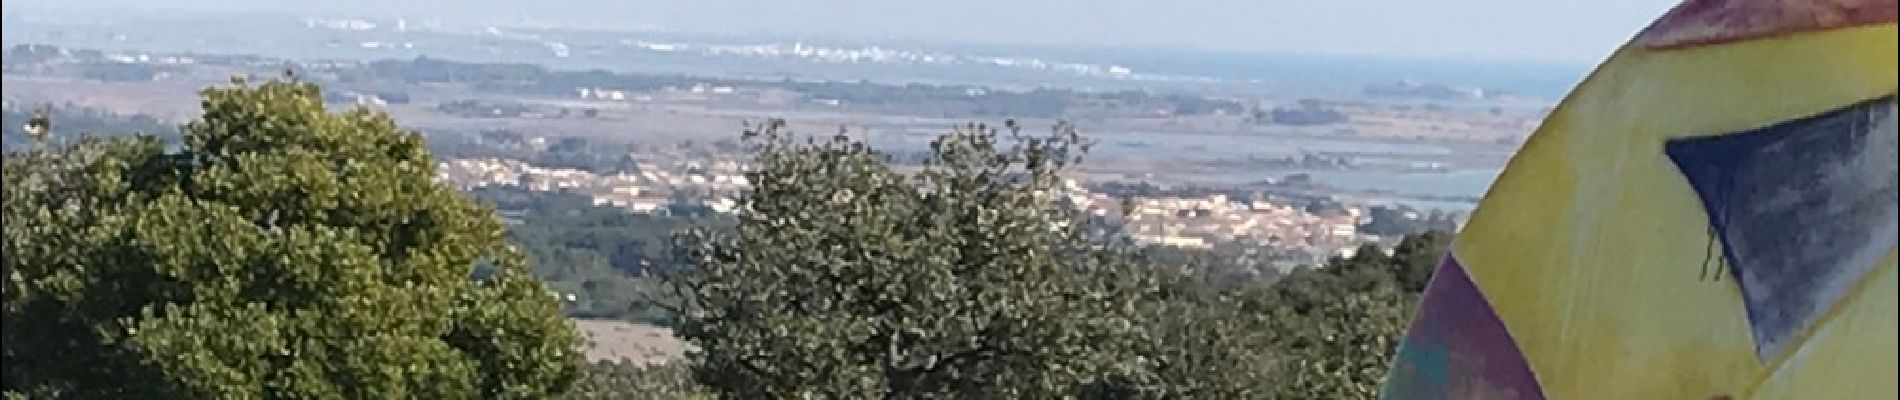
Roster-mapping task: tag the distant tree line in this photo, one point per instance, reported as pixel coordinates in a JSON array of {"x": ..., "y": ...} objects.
[
  {"x": 591, "y": 155},
  {"x": 73, "y": 121},
  {"x": 528, "y": 79},
  {"x": 606, "y": 257},
  {"x": 1306, "y": 112},
  {"x": 27, "y": 54},
  {"x": 1403, "y": 220}
]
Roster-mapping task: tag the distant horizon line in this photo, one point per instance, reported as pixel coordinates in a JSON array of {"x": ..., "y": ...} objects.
[{"x": 1455, "y": 59}]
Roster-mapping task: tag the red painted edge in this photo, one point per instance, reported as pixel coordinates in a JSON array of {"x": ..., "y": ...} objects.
[{"x": 1705, "y": 22}]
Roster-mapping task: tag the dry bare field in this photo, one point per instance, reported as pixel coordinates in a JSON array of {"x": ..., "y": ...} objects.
[
  {"x": 609, "y": 340},
  {"x": 173, "y": 101}
]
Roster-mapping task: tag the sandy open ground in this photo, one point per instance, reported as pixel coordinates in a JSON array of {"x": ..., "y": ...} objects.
[{"x": 614, "y": 340}]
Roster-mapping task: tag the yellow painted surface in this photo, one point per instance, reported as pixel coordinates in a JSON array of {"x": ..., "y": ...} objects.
[{"x": 1589, "y": 245}]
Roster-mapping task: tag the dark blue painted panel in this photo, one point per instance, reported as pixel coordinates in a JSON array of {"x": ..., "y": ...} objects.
[{"x": 1803, "y": 209}]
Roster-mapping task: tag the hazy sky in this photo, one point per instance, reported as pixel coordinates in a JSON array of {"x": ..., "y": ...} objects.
[{"x": 1568, "y": 31}]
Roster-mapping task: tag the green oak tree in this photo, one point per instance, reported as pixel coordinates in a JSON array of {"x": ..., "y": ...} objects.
[
  {"x": 632, "y": 380},
  {"x": 283, "y": 251},
  {"x": 845, "y": 277}
]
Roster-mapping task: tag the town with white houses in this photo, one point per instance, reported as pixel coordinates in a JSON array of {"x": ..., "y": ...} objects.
[{"x": 1188, "y": 222}]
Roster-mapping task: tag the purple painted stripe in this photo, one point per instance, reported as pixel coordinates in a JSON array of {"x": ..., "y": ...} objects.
[{"x": 1457, "y": 348}]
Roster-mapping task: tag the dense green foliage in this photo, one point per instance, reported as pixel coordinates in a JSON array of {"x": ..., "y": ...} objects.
[
  {"x": 282, "y": 252},
  {"x": 1341, "y": 323},
  {"x": 628, "y": 380},
  {"x": 286, "y": 251},
  {"x": 1316, "y": 333},
  {"x": 606, "y": 257},
  {"x": 847, "y": 279}
]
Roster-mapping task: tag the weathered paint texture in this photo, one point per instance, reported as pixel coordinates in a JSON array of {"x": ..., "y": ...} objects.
[{"x": 1713, "y": 213}]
